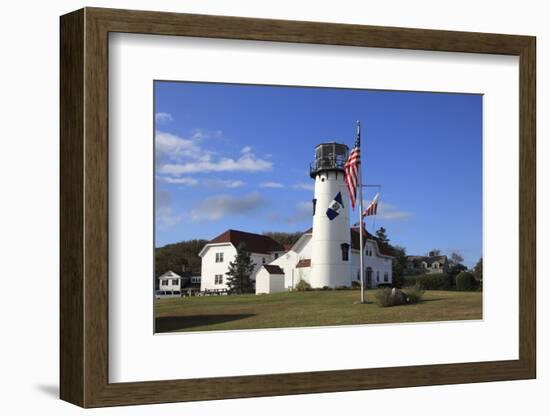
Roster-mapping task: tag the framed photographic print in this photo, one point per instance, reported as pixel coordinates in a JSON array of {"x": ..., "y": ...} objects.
[{"x": 255, "y": 207}]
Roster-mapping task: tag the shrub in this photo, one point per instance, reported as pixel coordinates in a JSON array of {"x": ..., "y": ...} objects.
[
  {"x": 325, "y": 288},
  {"x": 355, "y": 284},
  {"x": 303, "y": 286},
  {"x": 465, "y": 281},
  {"x": 414, "y": 295},
  {"x": 433, "y": 281},
  {"x": 409, "y": 281},
  {"x": 385, "y": 297}
]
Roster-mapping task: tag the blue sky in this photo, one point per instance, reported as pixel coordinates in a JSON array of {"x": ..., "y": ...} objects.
[{"x": 237, "y": 156}]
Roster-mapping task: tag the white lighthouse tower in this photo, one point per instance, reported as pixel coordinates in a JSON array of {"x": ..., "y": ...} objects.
[{"x": 331, "y": 249}]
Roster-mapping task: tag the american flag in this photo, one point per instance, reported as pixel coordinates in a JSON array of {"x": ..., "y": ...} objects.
[
  {"x": 372, "y": 209},
  {"x": 352, "y": 169}
]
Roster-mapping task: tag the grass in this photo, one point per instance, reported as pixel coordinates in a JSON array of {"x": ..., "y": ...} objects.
[{"x": 304, "y": 309}]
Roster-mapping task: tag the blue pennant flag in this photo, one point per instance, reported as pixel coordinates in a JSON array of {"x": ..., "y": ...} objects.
[{"x": 335, "y": 206}]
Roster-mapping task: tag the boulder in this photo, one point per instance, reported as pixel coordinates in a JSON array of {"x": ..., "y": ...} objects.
[{"x": 397, "y": 297}]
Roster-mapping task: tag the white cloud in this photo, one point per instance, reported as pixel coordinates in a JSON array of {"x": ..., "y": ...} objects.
[
  {"x": 164, "y": 215},
  {"x": 177, "y": 156},
  {"x": 162, "y": 118},
  {"x": 390, "y": 212},
  {"x": 201, "y": 134},
  {"x": 304, "y": 185},
  {"x": 179, "y": 181},
  {"x": 246, "y": 163},
  {"x": 246, "y": 149},
  {"x": 175, "y": 148},
  {"x": 223, "y": 183},
  {"x": 271, "y": 185},
  {"x": 216, "y": 207},
  {"x": 302, "y": 212}
]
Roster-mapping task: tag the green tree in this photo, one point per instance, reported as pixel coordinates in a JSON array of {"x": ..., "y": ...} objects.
[
  {"x": 465, "y": 281},
  {"x": 454, "y": 270},
  {"x": 478, "y": 270},
  {"x": 240, "y": 270},
  {"x": 178, "y": 257},
  {"x": 381, "y": 234},
  {"x": 284, "y": 238},
  {"x": 456, "y": 257},
  {"x": 399, "y": 264}
]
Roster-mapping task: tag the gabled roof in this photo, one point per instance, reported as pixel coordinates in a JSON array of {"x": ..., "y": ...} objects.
[
  {"x": 273, "y": 269},
  {"x": 428, "y": 259},
  {"x": 254, "y": 243},
  {"x": 384, "y": 248},
  {"x": 169, "y": 275},
  {"x": 304, "y": 263}
]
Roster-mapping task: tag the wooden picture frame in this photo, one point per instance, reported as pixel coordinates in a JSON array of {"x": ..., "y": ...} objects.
[{"x": 84, "y": 207}]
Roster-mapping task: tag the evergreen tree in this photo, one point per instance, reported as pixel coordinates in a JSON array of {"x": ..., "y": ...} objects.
[
  {"x": 240, "y": 270},
  {"x": 381, "y": 234},
  {"x": 478, "y": 270},
  {"x": 399, "y": 264}
]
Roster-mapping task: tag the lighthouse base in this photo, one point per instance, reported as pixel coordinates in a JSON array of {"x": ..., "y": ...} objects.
[{"x": 329, "y": 275}]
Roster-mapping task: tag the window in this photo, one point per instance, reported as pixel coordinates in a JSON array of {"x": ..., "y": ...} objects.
[
  {"x": 314, "y": 205},
  {"x": 175, "y": 282},
  {"x": 263, "y": 260},
  {"x": 164, "y": 282},
  {"x": 377, "y": 276},
  {"x": 218, "y": 279},
  {"x": 276, "y": 255},
  {"x": 386, "y": 277},
  {"x": 219, "y": 257},
  {"x": 345, "y": 251}
]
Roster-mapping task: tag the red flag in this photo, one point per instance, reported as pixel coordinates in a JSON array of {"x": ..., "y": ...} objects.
[
  {"x": 372, "y": 209},
  {"x": 351, "y": 170}
]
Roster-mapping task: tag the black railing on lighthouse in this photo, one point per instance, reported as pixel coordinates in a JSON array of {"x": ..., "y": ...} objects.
[{"x": 329, "y": 156}]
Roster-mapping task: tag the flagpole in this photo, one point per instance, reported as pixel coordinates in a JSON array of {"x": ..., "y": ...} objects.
[{"x": 361, "y": 253}]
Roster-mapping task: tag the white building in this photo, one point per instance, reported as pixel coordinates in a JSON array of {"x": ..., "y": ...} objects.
[
  {"x": 270, "y": 279},
  {"x": 169, "y": 282},
  {"x": 296, "y": 263},
  {"x": 219, "y": 252},
  {"x": 326, "y": 255}
]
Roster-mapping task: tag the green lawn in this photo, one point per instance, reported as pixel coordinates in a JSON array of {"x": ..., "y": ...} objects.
[{"x": 302, "y": 309}]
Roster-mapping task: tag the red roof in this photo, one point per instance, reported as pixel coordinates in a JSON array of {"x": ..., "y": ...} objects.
[
  {"x": 304, "y": 263},
  {"x": 255, "y": 243},
  {"x": 272, "y": 269},
  {"x": 384, "y": 248}
]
